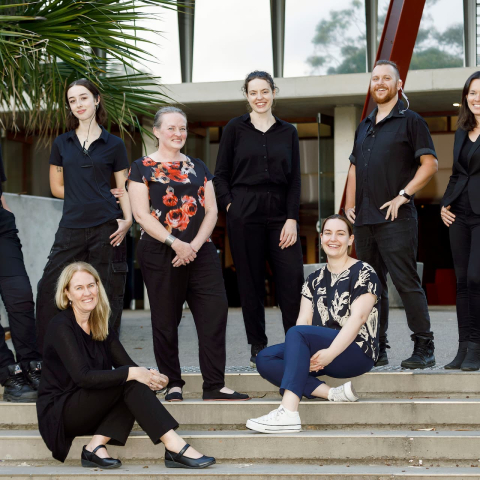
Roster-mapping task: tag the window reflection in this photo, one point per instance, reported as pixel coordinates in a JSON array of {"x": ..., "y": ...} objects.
[
  {"x": 440, "y": 38},
  {"x": 325, "y": 37},
  {"x": 232, "y": 38}
]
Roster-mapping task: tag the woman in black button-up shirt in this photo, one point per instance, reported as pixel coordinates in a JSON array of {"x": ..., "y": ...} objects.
[
  {"x": 93, "y": 225},
  {"x": 257, "y": 182}
]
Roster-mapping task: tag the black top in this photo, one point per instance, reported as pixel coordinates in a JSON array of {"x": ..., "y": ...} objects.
[
  {"x": 3, "y": 178},
  {"x": 176, "y": 193},
  {"x": 88, "y": 201},
  {"x": 249, "y": 157},
  {"x": 72, "y": 361},
  {"x": 332, "y": 296},
  {"x": 386, "y": 156},
  {"x": 462, "y": 202},
  {"x": 7, "y": 219},
  {"x": 463, "y": 175}
]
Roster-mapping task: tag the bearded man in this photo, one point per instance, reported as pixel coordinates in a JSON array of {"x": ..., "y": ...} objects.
[{"x": 393, "y": 157}]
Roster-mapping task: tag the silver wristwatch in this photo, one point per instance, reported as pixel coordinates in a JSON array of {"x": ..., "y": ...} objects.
[{"x": 403, "y": 193}]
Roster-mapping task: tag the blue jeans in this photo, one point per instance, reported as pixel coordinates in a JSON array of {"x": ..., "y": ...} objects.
[{"x": 287, "y": 365}]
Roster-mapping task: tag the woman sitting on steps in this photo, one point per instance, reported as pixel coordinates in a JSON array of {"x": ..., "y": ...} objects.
[{"x": 336, "y": 333}]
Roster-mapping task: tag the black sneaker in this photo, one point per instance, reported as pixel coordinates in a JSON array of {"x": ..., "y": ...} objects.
[
  {"x": 256, "y": 349},
  {"x": 422, "y": 356},
  {"x": 17, "y": 389},
  {"x": 382, "y": 356},
  {"x": 34, "y": 373}
]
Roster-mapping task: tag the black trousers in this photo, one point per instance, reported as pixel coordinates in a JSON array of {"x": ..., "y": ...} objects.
[
  {"x": 465, "y": 245},
  {"x": 255, "y": 220},
  {"x": 90, "y": 245},
  {"x": 392, "y": 247},
  {"x": 200, "y": 284},
  {"x": 111, "y": 412},
  {"x": 16, "y": 293}
]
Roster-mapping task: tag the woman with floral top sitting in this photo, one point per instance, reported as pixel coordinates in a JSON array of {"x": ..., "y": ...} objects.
[
  {"x": 336, "y": 333},
  {"x": 173, "y": 200}
]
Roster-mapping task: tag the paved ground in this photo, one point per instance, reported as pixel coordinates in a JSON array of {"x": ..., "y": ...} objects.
[{"x": 136, "y": 336}]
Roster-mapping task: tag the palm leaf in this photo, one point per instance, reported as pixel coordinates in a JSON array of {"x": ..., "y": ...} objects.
[{"x": 45, "y": 45}]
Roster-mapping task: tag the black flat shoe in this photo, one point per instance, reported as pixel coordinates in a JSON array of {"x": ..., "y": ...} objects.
[
  {"x": 177, "y": 460},
  {"x": 173, "y": 397},
  {"x": 218, "y": 395},
  {"x": 90, "y": 460}
]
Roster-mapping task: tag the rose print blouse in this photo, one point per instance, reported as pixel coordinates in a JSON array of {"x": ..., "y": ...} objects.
[{"x": 176, "y": 192}]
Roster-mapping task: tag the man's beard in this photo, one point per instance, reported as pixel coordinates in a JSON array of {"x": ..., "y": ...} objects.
[{"x": 391, "y": 93}]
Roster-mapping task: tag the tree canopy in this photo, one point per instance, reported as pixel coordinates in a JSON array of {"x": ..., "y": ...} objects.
[
  {"x": 340, "y": 42},
  {"x": 45, "y": 45}
]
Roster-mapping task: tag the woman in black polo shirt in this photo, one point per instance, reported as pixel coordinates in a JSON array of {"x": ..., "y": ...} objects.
[
  {"x": 257, "y": 181},
  {"x": 461, "y": 213},
  {"x": 173, "y": 200},
  {"x": 93, "y": 225}
]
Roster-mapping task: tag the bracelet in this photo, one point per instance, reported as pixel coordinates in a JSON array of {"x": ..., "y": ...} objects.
[{"x": 169, "y": 240}]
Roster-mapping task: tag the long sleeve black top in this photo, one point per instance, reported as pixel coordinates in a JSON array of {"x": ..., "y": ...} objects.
[
  {"x": 248, "y": 157},
  {"x": 72, "y": 360}
]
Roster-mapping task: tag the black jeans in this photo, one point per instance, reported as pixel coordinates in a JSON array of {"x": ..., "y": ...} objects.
[
  {"x": 255, "y": 220},
  {"x": 465, "y": 245},
  {"x": 200, "y": 283},
  {"x": 111, "y": 412},
  {"x": 17, "y": 296},
  {"x": 392, "y": 247},
  {"x": 90, "y": 245}
]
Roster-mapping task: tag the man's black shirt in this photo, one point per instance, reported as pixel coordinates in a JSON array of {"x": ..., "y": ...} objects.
[
  {"x": 248, "y": 157},
  {"x": 386, "y": 156},
  {"x": 88, "y": 201}
]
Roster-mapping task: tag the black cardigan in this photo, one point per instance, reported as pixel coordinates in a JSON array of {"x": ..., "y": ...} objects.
[
  {"x": 460, "y": 176},
  {"x": 72, "y": 360}
]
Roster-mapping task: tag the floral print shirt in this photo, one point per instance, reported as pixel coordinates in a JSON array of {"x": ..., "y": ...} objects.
[
  {"x": 176, "y": 191},
  {"x": 332, "y": 296}
]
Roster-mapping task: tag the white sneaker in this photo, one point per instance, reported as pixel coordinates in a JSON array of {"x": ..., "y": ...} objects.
[
  {"x": 343, "y": 393},
  {"x": 277, "y": 421}
]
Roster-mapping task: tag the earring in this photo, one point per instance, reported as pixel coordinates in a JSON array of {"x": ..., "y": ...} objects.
[{"x": 69, "y": 302}]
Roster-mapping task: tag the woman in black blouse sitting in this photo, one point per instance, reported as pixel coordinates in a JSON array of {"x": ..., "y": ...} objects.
[
  {"x": 80, "y": 393},
  {"x": 461, "y": 212},
  {"x": 336, "y": 333}
]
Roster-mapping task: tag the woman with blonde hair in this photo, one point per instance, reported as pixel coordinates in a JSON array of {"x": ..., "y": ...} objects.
[{"x": 81, "y": 394}]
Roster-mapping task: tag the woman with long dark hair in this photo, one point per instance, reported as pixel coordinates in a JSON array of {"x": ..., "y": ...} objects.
[
  {"x": 461, "y": 213},
  {"x": 257, "y": 180},
  {"x": 93, "y": 225},
  {"x": 336, "y": 333}
]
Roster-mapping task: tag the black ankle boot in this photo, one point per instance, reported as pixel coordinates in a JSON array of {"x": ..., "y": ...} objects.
[
  {"x": 422, "y": 356},
  {"x": 382, "y": 356},
  {"x": 472, "y": 360},
  {"x": 456, "y": 363}
]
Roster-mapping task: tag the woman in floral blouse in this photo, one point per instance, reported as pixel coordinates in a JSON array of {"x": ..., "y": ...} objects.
[
  {"x": 336, "y": 333},
  {"x": 173, "y": 200}
]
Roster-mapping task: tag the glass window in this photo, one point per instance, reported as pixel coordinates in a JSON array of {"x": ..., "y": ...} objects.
[
  {"x": 440, "y": 38},
  {"x": 165, "y": 47},
  {"x": 232, "y": 39},
  {"x": 437, "y": 124},
  {"x": 324, "y": 37}
]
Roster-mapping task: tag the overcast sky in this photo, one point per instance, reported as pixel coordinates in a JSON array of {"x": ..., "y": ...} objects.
[{"x": 233, "y": 37}]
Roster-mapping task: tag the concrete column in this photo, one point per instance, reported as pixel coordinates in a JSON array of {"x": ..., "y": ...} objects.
[
  {"x": 345, "y": 123},
  {"x": 186, "y": 23},
  {"x": 371, "y": 18},
  {"x": 470, "y": 32},
  {"x": 277, "y": 13}
]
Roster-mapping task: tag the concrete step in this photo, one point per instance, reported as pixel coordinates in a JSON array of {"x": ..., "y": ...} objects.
[
  {"x": 443, "y": 448},
  {"x": 386, "y": 383},
  {"x": 244, "y": 471},
  {"x": 315, "y": 414}
]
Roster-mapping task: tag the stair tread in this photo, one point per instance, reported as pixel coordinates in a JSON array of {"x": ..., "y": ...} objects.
[
  {"x": 9, "y": 434},
  {"x": 226, "y": 469},
  {"x": 275, "y": 401}
]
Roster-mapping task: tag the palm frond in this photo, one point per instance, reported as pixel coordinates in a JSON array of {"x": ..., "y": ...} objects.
[{"x": 45, "y": 45}]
